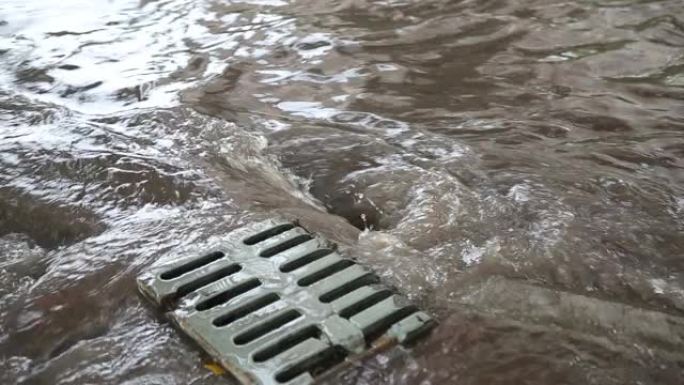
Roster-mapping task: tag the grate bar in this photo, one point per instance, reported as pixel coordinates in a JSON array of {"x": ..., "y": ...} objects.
[
  {"x": 228, "y": 294},
  {"x": 298, "y": 355},
  {"x": 338, "y": 280},
  {"x": 317, "y": 265},
  {"x": 264, "y": 328},
  {"x": 286, "y": 342},
  {"x": 251, "y": 310},
  {"x": 312, "y": 364},
  {"x": 303, "y": 260},
  {"x": 281, "y": 242},
  {"x": 269, "y": 233}
]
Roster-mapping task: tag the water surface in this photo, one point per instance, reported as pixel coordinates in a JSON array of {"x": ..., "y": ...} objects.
[{"x": 515, "y": 167}]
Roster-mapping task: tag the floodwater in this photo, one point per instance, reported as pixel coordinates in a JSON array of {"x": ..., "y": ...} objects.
[{"x": 515, "y": 167}]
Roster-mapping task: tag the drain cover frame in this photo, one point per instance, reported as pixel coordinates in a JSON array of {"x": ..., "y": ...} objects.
[{"x": 276, "y": 304}]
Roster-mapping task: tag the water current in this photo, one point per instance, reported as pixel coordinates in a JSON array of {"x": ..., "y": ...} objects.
[{"x": 514, "y": 167}]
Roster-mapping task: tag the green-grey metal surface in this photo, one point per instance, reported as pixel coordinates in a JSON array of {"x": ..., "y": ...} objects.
[{"x": 271, "y": 321}]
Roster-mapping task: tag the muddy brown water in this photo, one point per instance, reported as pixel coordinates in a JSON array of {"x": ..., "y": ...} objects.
[{"x": 515, "y": 167}]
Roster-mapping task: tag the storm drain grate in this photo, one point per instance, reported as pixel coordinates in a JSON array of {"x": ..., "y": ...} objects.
[{"x": 275, "y": 304}]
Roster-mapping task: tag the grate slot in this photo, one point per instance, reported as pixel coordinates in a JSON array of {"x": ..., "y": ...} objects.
[
  {"x": 305, "y": 260},
  {"x": 264, "y": 235},
  {"x": 365, "y": 303},
  {"x": 376, "y": 329},
  {"x": 228, "y": 294},
  {"x": 315, "y": 365},
  {"x": 246, "y": 309},
  {"x": 290, "y": 243},
  {"x": 266, "y": 327},
  {"x": 192, "y": 265},
  {"x": 325, "y": 272},
  {"x": 207, "y": 279},
  {"x": 348, "y": 287},
  {"x": 286, "y": 343}
]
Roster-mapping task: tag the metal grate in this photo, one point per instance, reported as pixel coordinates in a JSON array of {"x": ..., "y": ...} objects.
[{"x": 275, "y": 304}]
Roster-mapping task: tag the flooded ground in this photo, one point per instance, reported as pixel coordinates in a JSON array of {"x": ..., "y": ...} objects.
[{"x": 515, "y": 167}]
